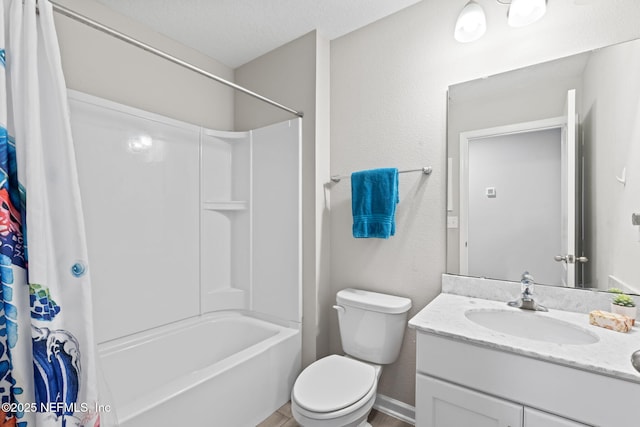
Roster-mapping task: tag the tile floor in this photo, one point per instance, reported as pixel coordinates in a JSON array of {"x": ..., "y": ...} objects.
[{"x": 283, "y": 418}]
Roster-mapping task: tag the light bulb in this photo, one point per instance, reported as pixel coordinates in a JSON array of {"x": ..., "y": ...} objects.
[
  {"x": 471, "y": 23},
  {"x": 525, "y": 12}
]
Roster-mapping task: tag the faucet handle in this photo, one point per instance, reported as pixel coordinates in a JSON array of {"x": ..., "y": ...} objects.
[
  {"x": 526, "y": 277},
  {"x": 526, "y": 300}
]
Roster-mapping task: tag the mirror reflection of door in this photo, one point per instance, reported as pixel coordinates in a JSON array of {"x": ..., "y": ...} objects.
[
  {"x": 569, "y": 202},
  {"x": 517, "y": 200}
]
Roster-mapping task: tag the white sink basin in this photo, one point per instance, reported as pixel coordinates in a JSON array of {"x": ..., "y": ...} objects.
[{"x": 532, "y": 325}]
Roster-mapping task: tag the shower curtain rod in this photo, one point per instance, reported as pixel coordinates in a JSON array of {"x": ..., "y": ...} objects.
[{"x": 117, "y": 34}]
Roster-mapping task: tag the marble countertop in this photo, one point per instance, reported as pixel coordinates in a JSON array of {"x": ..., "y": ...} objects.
[{"x": 611, "y": 355}]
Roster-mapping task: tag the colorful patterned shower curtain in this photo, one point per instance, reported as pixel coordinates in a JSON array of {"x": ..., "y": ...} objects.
[{"x": 47, "y": 352}]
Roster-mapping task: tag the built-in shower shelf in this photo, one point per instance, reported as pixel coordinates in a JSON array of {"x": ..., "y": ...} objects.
[{"x": 231, "y": 205}]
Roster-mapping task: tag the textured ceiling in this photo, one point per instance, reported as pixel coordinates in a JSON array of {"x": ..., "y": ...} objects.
[{"x": 237, "y": 31}]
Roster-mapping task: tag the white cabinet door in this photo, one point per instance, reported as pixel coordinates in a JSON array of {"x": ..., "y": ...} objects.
[
  {"x": 441, "y": 404},
  {"x": 533, "y": 418}
]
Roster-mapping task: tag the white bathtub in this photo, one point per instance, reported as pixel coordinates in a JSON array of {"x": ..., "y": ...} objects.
[{"x": 222, "y": 369}]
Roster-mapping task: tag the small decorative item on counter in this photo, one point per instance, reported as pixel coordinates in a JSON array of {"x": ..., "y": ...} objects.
[
  {"x": 624, "y": 305},
  {"x": 615, "y": 322}
]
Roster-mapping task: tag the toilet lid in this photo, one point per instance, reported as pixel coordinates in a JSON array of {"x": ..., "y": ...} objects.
[{"x": 333, "y": 383}]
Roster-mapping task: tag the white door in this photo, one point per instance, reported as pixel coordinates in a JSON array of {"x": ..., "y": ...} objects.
[
  {"x": 442, "y": 404},
  {"x": 568, "y": 187},
  {"x": 534, "y": 418}
]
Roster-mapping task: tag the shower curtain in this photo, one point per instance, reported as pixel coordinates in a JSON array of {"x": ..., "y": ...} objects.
[{"x": 47, "y": 353}]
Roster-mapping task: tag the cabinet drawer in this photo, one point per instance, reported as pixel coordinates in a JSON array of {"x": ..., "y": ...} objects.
[
  {"x": 441, "y": 404},
  {"x": 534, "y": 418}
]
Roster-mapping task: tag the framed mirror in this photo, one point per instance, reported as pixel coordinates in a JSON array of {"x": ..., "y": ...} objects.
[{"x": 544, "y": 172}]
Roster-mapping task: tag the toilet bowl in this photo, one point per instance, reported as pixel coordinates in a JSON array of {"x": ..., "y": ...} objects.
[
  {"x": 339, "y": 391},
  {"x": 336, "y": 391}
]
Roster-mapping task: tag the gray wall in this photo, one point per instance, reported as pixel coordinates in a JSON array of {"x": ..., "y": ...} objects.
[{"x": 101, "y": 65}]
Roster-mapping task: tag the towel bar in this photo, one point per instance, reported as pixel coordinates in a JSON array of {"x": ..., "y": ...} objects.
[{"x": 425, "y": 170}]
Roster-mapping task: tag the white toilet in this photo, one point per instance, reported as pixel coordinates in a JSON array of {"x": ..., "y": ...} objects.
[{"x": 339, "y": 391}]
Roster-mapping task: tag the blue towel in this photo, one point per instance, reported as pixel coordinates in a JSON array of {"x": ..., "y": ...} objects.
[{"x": 374, "y": 195}]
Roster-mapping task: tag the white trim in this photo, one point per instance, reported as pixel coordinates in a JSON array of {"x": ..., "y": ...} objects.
[
  {"x": 570, "y": 185},
  {"x": 226, "y": 205},
  {"x": 551, "y": 123},
  {"x": 395, "y": 408},
  {"x": 465, "y": 138},
  {"x": 132, "y": 111},
  {"x": 450, "y": 184}
]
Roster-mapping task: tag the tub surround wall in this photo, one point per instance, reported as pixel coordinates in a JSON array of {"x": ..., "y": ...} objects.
[
  {"x": 276, "y": 261},
  {"x": 139, "y": 183},
  {"x": 93, "y": 63},
  {"x": 388, "y": 108},
  {"x": 183, "y": 226},
  {"x": 183, "y": 220},
  {"x": 249, "y": 242}
]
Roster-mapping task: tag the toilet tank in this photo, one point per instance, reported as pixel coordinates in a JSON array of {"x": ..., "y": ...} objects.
[{"x": 371, "y": 324}]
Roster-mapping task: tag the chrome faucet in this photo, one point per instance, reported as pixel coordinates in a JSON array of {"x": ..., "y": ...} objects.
[{"x": 526, "y": 301}]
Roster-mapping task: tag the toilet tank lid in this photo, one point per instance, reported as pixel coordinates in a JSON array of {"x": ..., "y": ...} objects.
[{"x": 374, "y": 301}]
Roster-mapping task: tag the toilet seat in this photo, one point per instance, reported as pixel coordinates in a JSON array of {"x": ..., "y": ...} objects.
[
  {"x": 332, "y": 384},
  {"x": 353, "y": 415}
]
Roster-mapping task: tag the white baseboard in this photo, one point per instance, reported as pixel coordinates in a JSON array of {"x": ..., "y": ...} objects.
[{"x": 395, "y": 408}]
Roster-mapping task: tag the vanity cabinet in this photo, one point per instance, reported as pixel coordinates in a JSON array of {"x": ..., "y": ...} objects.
[
  {"x": 443, "y": 404},
  {"x": 462, "y": 383}
]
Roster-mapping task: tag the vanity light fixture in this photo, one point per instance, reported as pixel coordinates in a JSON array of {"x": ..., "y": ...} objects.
[{"x": 471, "y": 23}]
